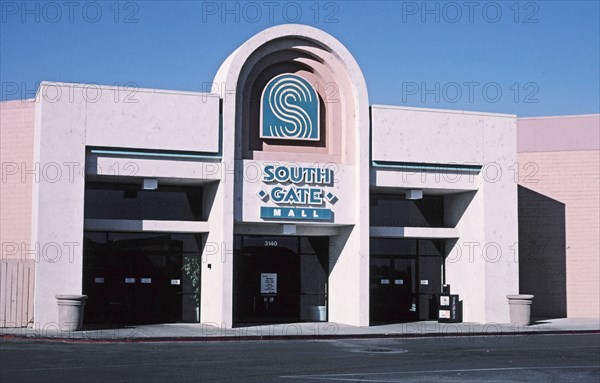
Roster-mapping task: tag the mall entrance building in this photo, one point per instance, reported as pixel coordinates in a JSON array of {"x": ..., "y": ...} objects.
[{"x": 279, "y": 195}]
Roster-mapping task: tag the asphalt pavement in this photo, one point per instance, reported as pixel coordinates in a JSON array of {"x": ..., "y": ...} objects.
[{"x": 498, "y": 358}]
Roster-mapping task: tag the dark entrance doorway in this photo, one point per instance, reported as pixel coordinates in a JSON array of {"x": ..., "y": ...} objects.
[
  {"x": 134, "y": 278},
  {"x": 406, "y": 277},
  {"x": 279, "y": 279},
  {"x": 393, "y": 289}
]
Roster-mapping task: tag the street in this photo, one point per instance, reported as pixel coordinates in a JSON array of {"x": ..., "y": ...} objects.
[{"x": 522, "y": 358}]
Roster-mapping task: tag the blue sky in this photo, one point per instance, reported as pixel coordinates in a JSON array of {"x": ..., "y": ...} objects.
[{"x": 530, "y": 58}]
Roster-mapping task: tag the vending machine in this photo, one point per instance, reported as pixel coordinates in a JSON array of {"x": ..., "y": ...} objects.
[{"x": 450, "y": 307}]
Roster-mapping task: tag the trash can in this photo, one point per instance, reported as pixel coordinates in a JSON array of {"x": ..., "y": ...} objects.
[
  {"x": 317, "y": 313},
  {"x": 520, "y": 308},
  {"x": 70, "y": 311},
  {"x": 322, "y": 313}
]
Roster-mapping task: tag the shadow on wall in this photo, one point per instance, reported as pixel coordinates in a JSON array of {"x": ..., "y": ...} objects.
[{"x": 542, "y": 253}]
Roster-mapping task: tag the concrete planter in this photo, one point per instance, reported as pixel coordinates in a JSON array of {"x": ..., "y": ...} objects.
[
  {"x": 520, "y": 308},
  {"x": 70, "y": 311}
]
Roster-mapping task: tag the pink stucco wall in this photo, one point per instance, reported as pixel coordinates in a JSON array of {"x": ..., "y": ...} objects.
[
  {"x": 565, "y": 153},
  {"x": 16, "y": 154},
  {"x": 563, "y": 133}
]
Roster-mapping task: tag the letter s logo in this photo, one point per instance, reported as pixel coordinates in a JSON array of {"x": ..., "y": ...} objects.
[{"x": 290, "y": 109}]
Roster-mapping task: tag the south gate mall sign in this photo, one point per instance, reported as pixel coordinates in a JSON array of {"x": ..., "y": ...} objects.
[{"x": 297, "y": 191}]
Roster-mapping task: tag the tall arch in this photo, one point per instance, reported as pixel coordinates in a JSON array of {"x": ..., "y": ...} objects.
[{"x": 328, "y": 65}]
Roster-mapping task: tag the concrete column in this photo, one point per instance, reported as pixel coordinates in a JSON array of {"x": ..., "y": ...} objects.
[
  {"x": 348, "y": 279},
  {"x": 58, "y": 194}
]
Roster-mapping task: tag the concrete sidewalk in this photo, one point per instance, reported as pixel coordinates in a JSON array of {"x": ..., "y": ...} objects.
[{"x": 183, "y": 332}]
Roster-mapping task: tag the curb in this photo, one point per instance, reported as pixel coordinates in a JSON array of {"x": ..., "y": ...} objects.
[{"x": 233, "y": 338}]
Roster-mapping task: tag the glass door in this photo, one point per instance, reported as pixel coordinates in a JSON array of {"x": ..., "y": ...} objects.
[
  {"x": 431, "y": 275},
  {"x": 267, "y": 280},
  {"x": 393, "y": 289},
  {"x": 129, "y": 278},
  {"x": 406, "y": 277}
]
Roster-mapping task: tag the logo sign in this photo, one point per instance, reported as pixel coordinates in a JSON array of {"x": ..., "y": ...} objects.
[
  {"x": 298, "y": 192},
  {"x": 289, "y": 109},
  {"x": 294, "y": 213}
]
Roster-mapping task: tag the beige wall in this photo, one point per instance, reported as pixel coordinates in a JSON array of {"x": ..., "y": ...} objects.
[
  {"x": 481, "y": 206},
  {"x": 419, "y": 135},
  {"x": 64, "y": 127},
  {"x": 154, "y": 119}
]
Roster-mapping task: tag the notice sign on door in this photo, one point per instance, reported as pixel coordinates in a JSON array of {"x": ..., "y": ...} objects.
[{"x": 268, "y": 283}]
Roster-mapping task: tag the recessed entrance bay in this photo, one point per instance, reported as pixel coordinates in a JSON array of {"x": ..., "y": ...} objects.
[{"x": 279, "y": 279}]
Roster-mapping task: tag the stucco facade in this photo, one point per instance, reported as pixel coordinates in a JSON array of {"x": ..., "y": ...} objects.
[{"x": 446, "y": 175}]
